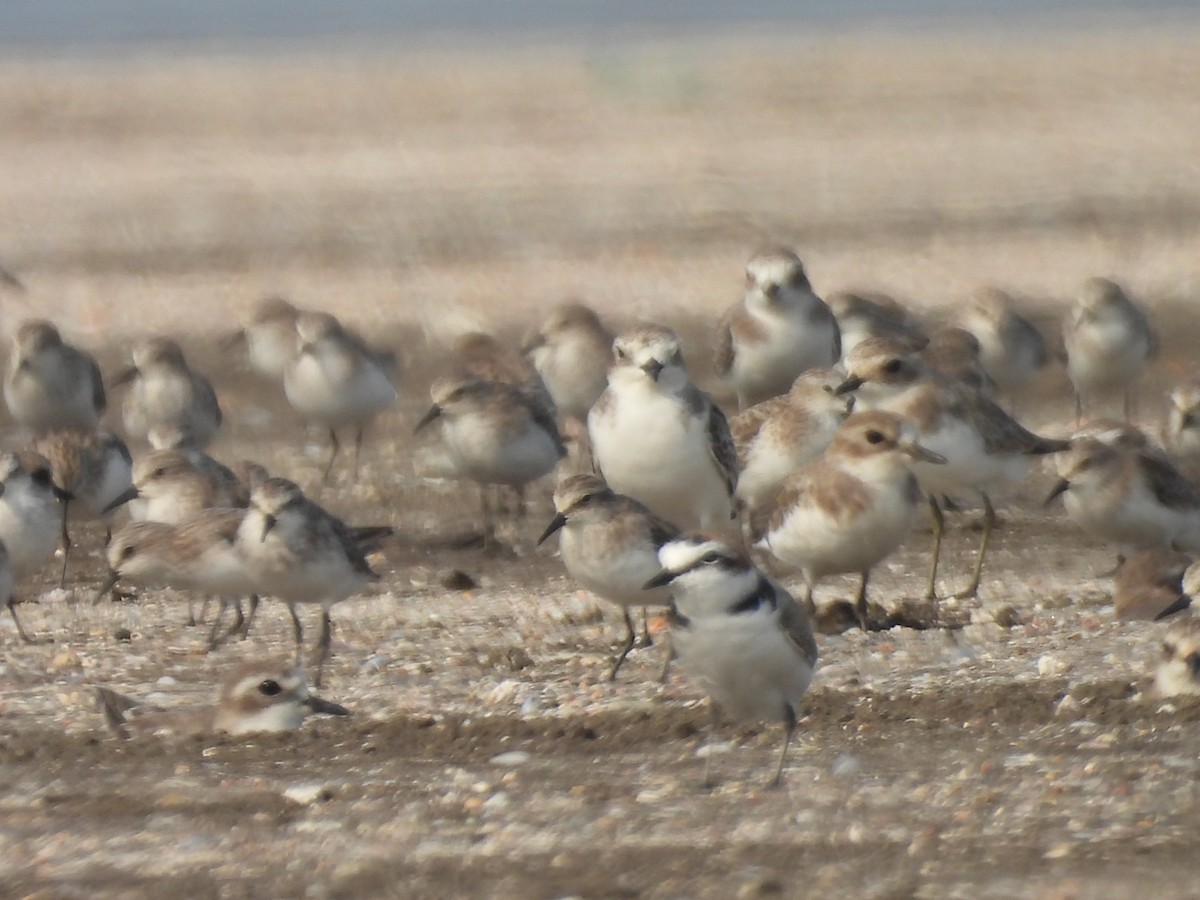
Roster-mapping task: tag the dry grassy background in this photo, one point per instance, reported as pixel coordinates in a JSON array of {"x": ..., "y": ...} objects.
[{"x": 1013, "y": 757}]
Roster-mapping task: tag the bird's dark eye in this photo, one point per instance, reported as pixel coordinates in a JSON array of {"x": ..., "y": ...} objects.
[
  {"x": 618, "y": 352},
  {"x": 270, "y": 687},
  {"x": 892, "y": 366},
  {"x": 40, "y": 476},
  {"x": 158, "y": 473},
  {"x": 874, "y": 437},
  {"x": 586, "y": 498},
  {"x": 128, "y": 552},
  {"x": 711, "y": 557}
]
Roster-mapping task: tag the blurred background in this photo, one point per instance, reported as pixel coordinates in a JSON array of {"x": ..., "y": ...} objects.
[{"x": 163, "y": 165}]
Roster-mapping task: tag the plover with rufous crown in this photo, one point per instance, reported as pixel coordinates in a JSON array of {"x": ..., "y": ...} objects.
[
  {"x": 260, "y": 696},
  {"x": 609, "y": 543},
  {"x": 779, "y": 329},
  {"x": 851, "y": 507},
  {"x": 50, "y": 383},
  {"x": 336, "y": 381},
  {"x": 739, "y": 633},
  {"x": 985, "y": 449},
  {"x": 298, "y": 552},
  {"x": 162, "y": 391},
  {"x": 780, "y": 435},
  {"x": 1108, "y": 342},
  {"x": 658, "y": 438}
]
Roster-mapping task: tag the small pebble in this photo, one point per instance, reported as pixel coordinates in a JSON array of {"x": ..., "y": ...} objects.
[{"x": 511, "y": 758}]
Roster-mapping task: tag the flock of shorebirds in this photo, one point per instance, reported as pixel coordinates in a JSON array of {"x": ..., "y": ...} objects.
[{"x": 853, "y": 424}]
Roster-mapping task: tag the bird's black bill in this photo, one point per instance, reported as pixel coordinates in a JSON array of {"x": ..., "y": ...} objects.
[
  {"x": 1059, "y": 489},
  {"x": 434, "y": 412},
  {"x": 666, "y": 576},
  {"x": 121, "y": 499},
  {"x": 325, "y": 707},
  {"x": 556, "y": 523}
]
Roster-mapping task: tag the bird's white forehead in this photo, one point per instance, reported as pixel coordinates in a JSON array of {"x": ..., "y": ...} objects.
[
  {"x": 649, "y": 342},
  {"x": 773, "y": 268},
  {"x": 681, "y": 555}
]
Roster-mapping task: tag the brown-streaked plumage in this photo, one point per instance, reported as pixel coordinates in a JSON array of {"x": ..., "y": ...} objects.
[
  {"x": 852, "y": 506},
  {"x": 780, "y": 435},
  {"x": 985, "y": 448}
]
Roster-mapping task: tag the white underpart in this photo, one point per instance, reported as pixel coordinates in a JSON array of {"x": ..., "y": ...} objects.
[
  {"x": 651, "y": 448},
  {"x": 30, "y": 524},
  {"x": 327, "y": 387}
]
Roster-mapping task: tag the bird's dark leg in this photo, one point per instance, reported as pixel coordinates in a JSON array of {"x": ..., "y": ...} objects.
[
  {"x": 939, "y": 527},
  {"x": 630, "y": 637},
  {"x": 989, "y": 522}
]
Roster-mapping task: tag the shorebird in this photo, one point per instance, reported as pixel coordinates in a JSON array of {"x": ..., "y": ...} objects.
[
  {"x": 739, "y": 633},
  {"x": 7, "y": 588},
  {"x": 298, "y": 552},
  {"x": 261, "y": 696},
  {"x": 195, "y": 554},
  {"x": 609, "y": 543},
  {"x": 955, "y": 353},
  {"x": 1131, "y": 497},
  {"x": 91, "y": 468},
  {"x": 496, "y": 435},
  {"x": 1179, "y": 672},
  {"x": 335, "y": 381},
  {"x": 1150, "y": 585},
  {"x": 51, "y": 384},
  {"x": 173, "y": 485},
  {"x": 571, "y": 351},
  {"x": 985, "y": 449},
  {"x": 1011, "y": 350},
  {"x": 873, "y": 315},
  {"x": 164, "y": 393},
  {"x": 1181, "y": 430},
  {"x": 30, "y": 516},
  {"x": 269, "y": 336},
  {"x": 780, "y": 435},
  {"x": 779, "y": 329},
  {"x": 659, "y": 439},
  {"x": 1108, "y": 342},
  {"x": 851, "y": 507}
]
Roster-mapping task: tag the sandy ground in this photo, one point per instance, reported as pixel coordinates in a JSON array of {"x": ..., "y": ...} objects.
[{"x": 1011, "y": 755}]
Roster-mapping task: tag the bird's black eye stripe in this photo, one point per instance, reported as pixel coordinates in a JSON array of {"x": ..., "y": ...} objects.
[
  {"x": 270, "y": 687},
  {"x": 874, "y": 437}
]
